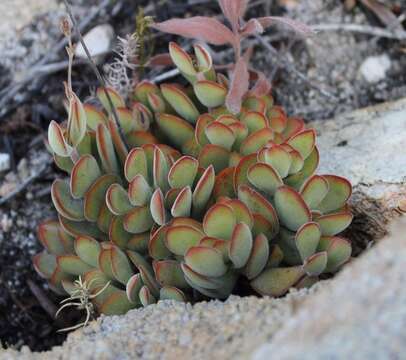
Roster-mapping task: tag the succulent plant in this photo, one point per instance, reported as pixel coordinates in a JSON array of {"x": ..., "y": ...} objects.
[{"x": 188, "y": 191}]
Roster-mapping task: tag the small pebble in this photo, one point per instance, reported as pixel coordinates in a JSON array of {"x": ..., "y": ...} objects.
[{"x": 374, "y": 68}]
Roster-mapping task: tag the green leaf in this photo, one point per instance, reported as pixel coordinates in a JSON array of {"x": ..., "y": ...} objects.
[
  {"x": 240, "y": 245},
  {"x": 339, "y": 192},
  {"x": 214, "y": 155},
  {"x": 76, "y": 128},
  {"x": 206, "y": 261},
  {"x": 160, "y": 170},
  {"x": 258, "y": 204},
  {"x": 309, "y": 167},
  {"x": 277, "y": 118},
  {"x": 303, "y": 142},
  {"x": 76, "y": 228},
  {"x": 157, "y": 248},
  {"x": 136, "y": 164},
  {"x": 277, "y": 281},
  {"x": 95, "y": 197},
  {"x": 169, "y": 273},
  {"x": 117, "y": 234},
  {"x": 64, "y": 203},
  {"x": 339, "y": 252},
  {"x": 258, "y": 257},
  {"x": 88, "y": 250},
  {"x": 157, "y": 204},
  {"x": 94, "y": 116},
  {"x": 332, "y": 224},
  {"x": 203, "y": 190},
  {"x": 72, "y": 264},
  {"x": 181, "y": 59},
  {"x": 138, "y": 220},
  {"x": 146, "y": 297},
  {"x": 171, "y": 293},
  {"x": 180, "y": 102},
  {"x": 106, "y": 151},
  {"x": 176, "y": 129},
  {"x": 292, "y": 210},
  {"x": 200, "y": 130},
  {"x": 315, "y": 264},
  {"x": 57, "y": 140},
  {"x": 85, "y": 172},
  {"x": 256, "y": 141},
  {"x": 297, "y": 162},
  {"x": 254, "y": 121},
  {"x": 264, "y": 177},
  {"x": 183, "y": 203},
  {"x": 116, "y": 304},
  {"x": 120, "y": 265},
  {"x": 139, "y": 192},
  {"x": 115, "y": 98},
  {"x": 183, "y": 172},
  {"x": 54, "y": 239},
  {"x": 307, "y": 239},
  {"x": 314, "y": 190},
  {"x": 219, "y": 222},
  {"x": 210, "y": 93},
  {"x": 44, "y": 264},
  {"x": 133, "y": 287},
  {"x": 117, "y": 200},
  {"x": 279, "y": 159},
  {"x": 181, "y": 238},
  {"x": 241, "y": 171},
  {"x": 143, "y": 89},
  {"x": 241, "y": 212},
  {"x": 220, "y": 134},
  {"x": 293, "y": 126}
]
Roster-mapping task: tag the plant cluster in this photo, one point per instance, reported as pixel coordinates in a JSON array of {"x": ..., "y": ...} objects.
[{"x": 191, "y": 191}]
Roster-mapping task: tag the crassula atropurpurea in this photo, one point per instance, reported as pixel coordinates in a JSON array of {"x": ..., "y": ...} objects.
[{"x": 194, "y": 189}]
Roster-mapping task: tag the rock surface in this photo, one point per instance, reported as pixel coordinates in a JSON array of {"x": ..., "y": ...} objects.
[
  {"x": 368, "y": 147},
  {"x": 360, "y": 314}
]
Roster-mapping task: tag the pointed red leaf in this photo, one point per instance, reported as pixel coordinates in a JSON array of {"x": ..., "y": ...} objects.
[
  {"x": 238, "y": 87},
  {"x": 198, "y": 27}
]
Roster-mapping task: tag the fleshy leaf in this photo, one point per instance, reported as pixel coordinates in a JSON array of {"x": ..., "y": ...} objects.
[
  {"x": 139, "y": 192},
  {"x": 256, "y": 141},
  {"x": 206, "y": 261},
  {"x": 120, "y": 265},
  {"x": 264, "y": 177},
  {"x": 214, "y": 155},
  {"x": 85, "y": 172},
  {"x": 176, "y": 129},
  {"x": 138, "y": 220},
  {"x": 220, "y": 134},
  {"x": 169, "y": 273},
  {"x": 183, "y": 172},
  {"x": 291, "y": 208},
  {"x": 279, "y": 159},
  {"x": 219, "y": 222},
  {"x": 180, "y": 102},
  {"x": 157, "y": 204},
  {"x": 106, "y": 151},
  {"x": 181, "y": 237},
  {"x": 332, "y": 224},
  {"x": 316, "y": 264},
  {"x": 133, "y": 287},
  {"x": 64, "y": 203},
  {"x": 307, "y": 239},
  {"x": 117, "y": 200},
  {"x": 72, "y": 264},
  {"x": 303, "y": 142},
  {"x": 210, "y": 93},
  {"x": 57, "y": 141},
  {"x": 136, "y": 164},
  {"x": 277, "y": 281},
  {"x": 115, "y": 98},
  {"x": 314, "y": 191},
  {"x": 183, "y": 203},
  {"x": 88, "y": 250},
  {"x": 339, "y": 192},
  {"x": 76, "y": 120},
  {"x": 95, "y": 196},
  {"x": 171, "y": 293},
  {"x": 258, "y": 257},
  {"x": 240, "y": 245}
]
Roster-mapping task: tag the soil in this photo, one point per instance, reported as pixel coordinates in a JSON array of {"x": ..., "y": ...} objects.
[{"x": 329, "y": 60}]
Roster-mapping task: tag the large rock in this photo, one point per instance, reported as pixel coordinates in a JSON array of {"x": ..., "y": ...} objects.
[
  {"x": 368, "y": 147},
  {"x": 360, "y": 314}
]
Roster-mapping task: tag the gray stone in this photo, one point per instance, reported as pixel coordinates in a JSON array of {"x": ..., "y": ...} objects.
[
  {"x": 98, "y": 41},
  {"x": 374, "y": 68}
]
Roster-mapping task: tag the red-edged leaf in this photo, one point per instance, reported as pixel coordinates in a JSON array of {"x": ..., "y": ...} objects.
[
  {"x": 198, "y": 27},
  {"x": 297, "y": 26},
  {"x": 238, "y": 87}
]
